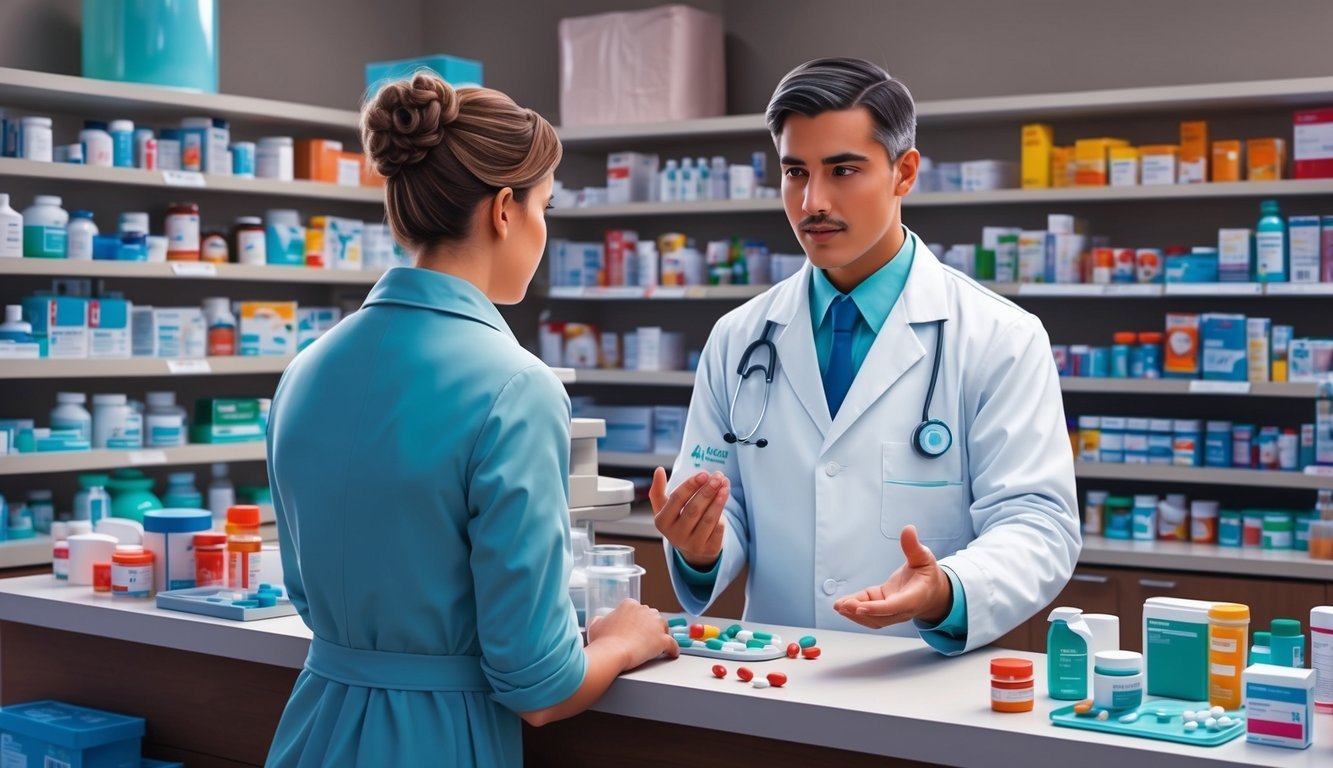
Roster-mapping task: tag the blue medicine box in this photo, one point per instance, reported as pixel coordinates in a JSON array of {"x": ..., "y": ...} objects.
[
  {"x": 1225, "y": 347},
  {"x": 458, "y": 72},
  {"x": 54, "y": 733},
  {"x": 1197, "y": 267}
]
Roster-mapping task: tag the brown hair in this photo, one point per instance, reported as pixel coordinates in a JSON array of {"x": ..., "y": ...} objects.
[{"x": 443, "y": 151}]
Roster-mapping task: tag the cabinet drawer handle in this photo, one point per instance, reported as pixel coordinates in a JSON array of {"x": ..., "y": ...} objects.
[
  {"x": 1155, "y": 584},
  {"x": 1089, "y": 578}
]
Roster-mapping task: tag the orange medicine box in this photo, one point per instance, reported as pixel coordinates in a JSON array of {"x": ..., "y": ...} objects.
[
  {"x": 317, "y": 159},
  {"x": 1267, "y": 159},
  {"x": 1062, "y": 167},
  {"x": 1227, "y": 156},
  {"x": 1091, "y": 164},
  {"x": 1193, "y": 152},
  {"x": 1181, "y": 358}
]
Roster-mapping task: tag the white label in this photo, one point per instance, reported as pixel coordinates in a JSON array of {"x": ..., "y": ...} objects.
[
  {"x": 1294, "y": 289},
  {"x": 183, "y": 179},
  {"x": 147, "y": 457},
  {"x": 250, "y": 247},
  {"x": 1313, "y": 141},
  {"x": 1271, "y": 253},
  {"x": 566, "y": 291},
  {"x": 1199, "y": 387},
  {"x": 189, "y": 367},
  {"x": 1319, "y": 471},
  {"x": 182, "y": 233},
  {"x": 1321, "y": 660},
  {"x": 349, "y": 172},
  {"x": 1222, "y": 645},
  {"x": 1009, "y": 696},
  {"x": 193, "y": 269}
]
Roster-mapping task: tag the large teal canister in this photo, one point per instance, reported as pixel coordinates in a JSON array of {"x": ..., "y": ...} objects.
[{"x": 158, "y": 42}]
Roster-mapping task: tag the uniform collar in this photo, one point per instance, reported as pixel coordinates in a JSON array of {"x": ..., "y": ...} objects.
[
  {"x": 875, "y": 296},
  {"x": 428, "y": 289}
]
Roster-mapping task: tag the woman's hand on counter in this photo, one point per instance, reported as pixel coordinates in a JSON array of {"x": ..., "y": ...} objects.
[{"x": 919, "y": 589}]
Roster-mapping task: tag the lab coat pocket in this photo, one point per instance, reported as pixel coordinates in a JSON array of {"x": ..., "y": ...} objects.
[{"x": 927, "y": 493}]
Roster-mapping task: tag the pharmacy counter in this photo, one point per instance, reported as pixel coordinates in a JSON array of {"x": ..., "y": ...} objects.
[
  {"x": 1163, "y": 555},
  {"x": 867, "y": 698}
]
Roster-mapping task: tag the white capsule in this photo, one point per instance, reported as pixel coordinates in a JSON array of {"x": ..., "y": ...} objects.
[
  {"x": 1188, "y": 715},
  {"x": 733, "y": 647},
  {"x": 1132, "y": 717},
  {"x": 770, "y": 648},
  {"x": 1224, "y": 722},
  {"x": 776, "y": 640},
  {"x": 1103, "y": 715},
  {"x": 744, "y": 636},
  {"x": 759, "y": 682},
  {"x": 1217, "y": 711},
  {"x": 1190, "y": 725},
  {"x": 1210, "y": 723}
]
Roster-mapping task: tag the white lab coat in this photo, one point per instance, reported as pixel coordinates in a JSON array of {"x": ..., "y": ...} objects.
[{"x": 816, "y": 514}]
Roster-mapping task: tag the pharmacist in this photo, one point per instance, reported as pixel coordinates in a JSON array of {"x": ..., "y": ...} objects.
[{"x": 880, "y": 439}]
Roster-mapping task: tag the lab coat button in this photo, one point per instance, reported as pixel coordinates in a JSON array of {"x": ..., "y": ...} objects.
[
  {"x": 830, "y": 586},
  {"x": 831, "y": 469}
]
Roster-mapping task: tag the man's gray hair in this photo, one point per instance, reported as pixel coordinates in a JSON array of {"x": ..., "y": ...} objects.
[{"x": 826, "y": 85}]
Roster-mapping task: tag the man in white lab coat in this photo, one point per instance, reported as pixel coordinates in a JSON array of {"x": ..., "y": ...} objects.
[{"x": 908, "y": 466}]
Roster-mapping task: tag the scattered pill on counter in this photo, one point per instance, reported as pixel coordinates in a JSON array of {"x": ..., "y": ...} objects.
[
  {"x": 777, "y": 679},
  {"x": 719, "y": 670},
  {"x": 759, "y": 682},
  {"x": 745, "y": 674},
  {"x": 811, "y": 653},
  {"x": 793, "y": 651}
]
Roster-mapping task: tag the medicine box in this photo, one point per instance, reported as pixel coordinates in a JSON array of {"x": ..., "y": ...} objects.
[
  {"x": 1158, "y": 164},
  {"x": 109, "y": 328},
  {"x": 1198, "y": 266},
  {"x": 1227, "y": 160},
  {"x": 267, "y": 328},
  {"x": 52, "y": 733},
  {"x": 1312, "y": 144},
  {"x": 342, "y": 243},
  {"x": 1181, "y": 353},
  {"x": 1038, "y": 140},
  {"x": 986, "y": 175},
  {"x": 176, "y": 332},
  {"x": 313, "y": 322},
  {"x": 1032, "y": 256},
  {"x": 317, "y": 159},
  {"x": 284, "y": 244},
  {"x": 1175, "y": 645},
  {"x": 1235, "y": 261},
  {"x": 1092, "y": 161},
  {"x": 1266, "y": 159},
  {"x": 1124, "y": 166},
  {"x": 1194, "y": 151},
  {"x": 226, "y": 420},
  {"x": 455, "y": 70},
  {"x": 59, "y": 324},
  {"x": 1259, "y": 333},
  {"x": 629, "y": 429},
  {"x": 631, "y": 177},
  {"x": 1225, "y": 347},
  {"x": 1062, "y": 167},
  {"x": 1279, "y": 705},
  {"x": 1308, "y": 359},
  {"x": 1323, "y": 432},
  {"x": 1303, "y": 244}
]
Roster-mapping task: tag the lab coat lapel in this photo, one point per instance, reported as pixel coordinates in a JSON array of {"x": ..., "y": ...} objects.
[
  {"x": 796, "y": 347},
  {"x": 901, "y": 343}
]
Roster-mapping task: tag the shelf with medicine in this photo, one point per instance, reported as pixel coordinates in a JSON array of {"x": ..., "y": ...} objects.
[
  {"x": 83, "y": 461},
  {"x": 86, "y": 368}
]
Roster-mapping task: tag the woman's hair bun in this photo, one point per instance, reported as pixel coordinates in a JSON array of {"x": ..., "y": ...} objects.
[{"x": 406, "y": 120}]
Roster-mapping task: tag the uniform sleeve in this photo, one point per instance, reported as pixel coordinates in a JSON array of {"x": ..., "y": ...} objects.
[
  {"x": 518, "y": 500},
  {"x": 288, "y": 534},
  {"x": 704, "y": 426},
  {"x": 950, "y": 635},
  {"x": 1024, "y": 509}
]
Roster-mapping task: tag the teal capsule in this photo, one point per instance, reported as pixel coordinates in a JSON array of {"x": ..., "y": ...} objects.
[
  {"x": 733, "y": 629},
  {"x": 715, "y": 644},
  {"x": 762, "y": 636},
  {"x": 683, "y": 641},
  {"x": 754, "y": 643},
  {"x": 679, "y": 621},
  {"x": 807, "y": 641}
]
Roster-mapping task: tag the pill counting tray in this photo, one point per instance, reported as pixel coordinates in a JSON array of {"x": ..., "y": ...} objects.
[
  {"x": 1148, "y": 727},
  {"x": 749, "y": 654},
  {"x": 213, "y": 601}
]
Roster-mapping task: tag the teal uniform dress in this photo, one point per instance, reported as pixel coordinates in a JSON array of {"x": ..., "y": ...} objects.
[{"x": 418, "y": 459}]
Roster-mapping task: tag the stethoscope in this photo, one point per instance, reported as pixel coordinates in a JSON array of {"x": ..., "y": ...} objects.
[{"x": 931, "y": 439}]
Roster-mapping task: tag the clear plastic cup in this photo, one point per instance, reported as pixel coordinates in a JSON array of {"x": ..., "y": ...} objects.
[{"x": 612, "y": 576}]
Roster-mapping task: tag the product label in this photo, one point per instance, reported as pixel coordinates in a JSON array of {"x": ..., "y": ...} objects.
[
  {"x": 1321, "y": 659},
  {"x": 1313, "y": 141},
  {"x": 1011, "y": 696},
  {"x": 1277, "y": 714},
  {"x": 1222, "y": 644},
  {"x": 183, "y": 233},
  {"x": 1126, "y": 695},
  {"x": 1270, "y": 250},
  {"x": 243, "y": 570},
  {"x": 164, "y": 431},
  {"x": 45, "y": 242},
  {"x": 131, "y": 580},
  {"x": 250, "y": 247}
]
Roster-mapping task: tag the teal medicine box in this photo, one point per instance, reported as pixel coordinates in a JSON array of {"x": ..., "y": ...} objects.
[
  {"x": 1175, "y": 647},
  {"x": 54, "y": 733}
]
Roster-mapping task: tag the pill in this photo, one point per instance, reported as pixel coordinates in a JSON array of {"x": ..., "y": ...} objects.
[
  {"x": 733, "y": 646},
  {"x": 1224, "y": 722},
  {"x": 763, "y": 635},
  {"x": 734, "y": 629},
  {"x": 745, "y": 635},
  {"x": 810, "y": 653},
  {"x": 745, "y": 674},
  {"x": 1132, "y": 717},
  {"x": 711, "y": 631},
  {"x": 777, "y": 679},
  {"x": 755, "y": 644},
  {"x": 759, "y": 682},
  {"x": 1083, "y": 707},
  {"x": 697, "y": 631},
  {"x": 1191, "y": 726},
  {"x": 683, "y": 641},
  {"x": 679, "y": 621},
  {"x": 774, "y": 640},
  {"x": 793, "y": 651},
  {"x": 1103, "y": 715},
  {"x": 807, "y": 641},
  {"x": 1188, "y": 715},
  {"x": 714, "y": 644},
  {"x": 1210, "y": 723},
  {"x": 770, "y": 649},
  {"x": 719, "y": 670},
  {"x": 1163, "y": 716},
  {"x": 1217, "y": 711}
]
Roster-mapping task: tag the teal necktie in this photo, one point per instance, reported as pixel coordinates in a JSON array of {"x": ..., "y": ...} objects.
[{"x": 838, "y": 378}]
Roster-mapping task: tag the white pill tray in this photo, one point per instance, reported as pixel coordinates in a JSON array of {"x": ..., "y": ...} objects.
[{"x": 208, "y": 601}]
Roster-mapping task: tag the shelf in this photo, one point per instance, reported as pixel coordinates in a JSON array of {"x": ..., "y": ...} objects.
[
  {"x": 1174, "y": 99},
  {"x": 634, "y": 378},
  {"x": 186, "y": 270},
  {"x": 1206, "y": 558},
  {"x": 1191, "y": 387},
  {"x": 636, "y": 460},
  {"x": 106, "y": 99},
  {"x": 86, "y": 461},
  {"x": 1157, "y": 473},
  {"x": 140, "y": 367},
  {"x": 25, "y": 553},
  {"x": 193, "y": 183},
  {"x": 701, "y": 207},
  {"x": 657, "y": 293}
]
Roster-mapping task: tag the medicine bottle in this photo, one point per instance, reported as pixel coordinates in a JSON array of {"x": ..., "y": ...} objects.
[{"x": 1011, "y": 685}]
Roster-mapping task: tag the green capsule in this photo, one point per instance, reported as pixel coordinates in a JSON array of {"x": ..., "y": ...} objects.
[
  {"x": 754, "y": 643},
  {"x": 807, "y": 641},
  {"x": 715, "y": 644},
  {"x": 762, "y": 636},
  {"x": 733, "y": 629},
  {"x": 679, "y": 621},
  {"x": 683, "y": 641}
]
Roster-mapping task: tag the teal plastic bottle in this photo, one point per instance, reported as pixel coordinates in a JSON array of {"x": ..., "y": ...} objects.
[
  {"x": 1288, "y": 643},
  {"x": 1270, "y": 244},
  {"x": 1261, "y": 652},
  {"x": 1067, "y": 655}
]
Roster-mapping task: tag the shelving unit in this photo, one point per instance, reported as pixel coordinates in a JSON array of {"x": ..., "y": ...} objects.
[
  {"x": 140, "y": 367},
  {"x": 88, "y": 461},
  {"x": 658, "y": 293},
  {"x": 186, "y": 270},
  {"x": 1155, "y": 473},
  {"x": 634, "y": 378}
]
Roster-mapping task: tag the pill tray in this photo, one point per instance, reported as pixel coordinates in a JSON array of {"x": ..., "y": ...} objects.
[
  {"x": 197, "y": 600},
  {"x": 749, "y": 654},
  {"x": 1147, "y": 726}
]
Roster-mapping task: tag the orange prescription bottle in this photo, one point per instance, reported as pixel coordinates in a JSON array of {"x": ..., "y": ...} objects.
[
  {"x": 243, "y": 554},
  {"x": 210, "y": 559},
  {"x": 1011, "y": 685},
  {"x": 243, "y": 519},
  {"x": 1228, "y": 633}
]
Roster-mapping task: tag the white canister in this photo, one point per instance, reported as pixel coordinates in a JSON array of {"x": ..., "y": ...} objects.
[
  {"x": 115, "y": 424},
  {"x": 134, "y": 222},
  {"x": 1117, "y": 681},
  {"x": 169, "y": 535},
  {"x": 79, "y": 234},
  {"x": 85, "y": 550},
  {"x": 44, "y": 233},
  {"x": 275, "y": 158},
  {"x": 164, "y": 421},
  {"x": 157, "y": 248},
  {"x": 35, "y": 139},
  {"x": 70, "y": 413},
  {"x": 98, "y": 148}
]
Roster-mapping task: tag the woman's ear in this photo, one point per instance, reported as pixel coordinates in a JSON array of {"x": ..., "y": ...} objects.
[{"x": 501, "y": 210}]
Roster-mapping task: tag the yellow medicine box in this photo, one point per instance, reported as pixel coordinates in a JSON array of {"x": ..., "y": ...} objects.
[
  {"x": 1267, "y": 159},
  {"x": 1227, "y": 160},
  {"x": 1038, "y": 141},
  {"x": 1062, "y": 166},
  {"x": 1091, "y": 163}
]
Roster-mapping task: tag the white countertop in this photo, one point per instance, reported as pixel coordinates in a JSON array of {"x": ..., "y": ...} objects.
[
  {"x": 881, "y": 695},
  {"x": 1164, "y": 555}
]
